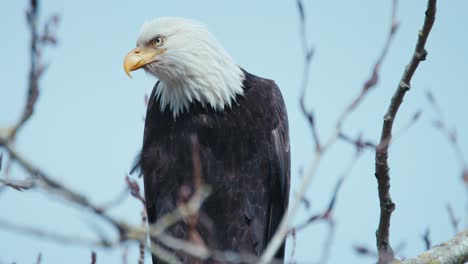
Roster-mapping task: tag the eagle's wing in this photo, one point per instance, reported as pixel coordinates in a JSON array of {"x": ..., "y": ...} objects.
[
  {"x": 148, "y": 188},
  {"x": 280, "y": 171},
  {"x": 267, "y": 199}
]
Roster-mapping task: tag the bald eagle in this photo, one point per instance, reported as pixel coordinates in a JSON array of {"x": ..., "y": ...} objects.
[{"x": 241, "y": 125}]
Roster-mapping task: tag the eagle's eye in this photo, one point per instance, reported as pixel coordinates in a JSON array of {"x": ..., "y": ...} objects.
[{"x": 158, "y": 41}]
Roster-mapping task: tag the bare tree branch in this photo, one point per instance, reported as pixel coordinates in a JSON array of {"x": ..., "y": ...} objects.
[
  {"x": 381, "y": 164},
  {"x": 454, "y": 251}
]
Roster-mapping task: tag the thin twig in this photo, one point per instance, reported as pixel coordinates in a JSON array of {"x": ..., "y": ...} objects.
[
  {"x": 328, "y": 212},
  {"x": 125, "y": 255},
  {"x": 451, "y": 136},
  {"x": 141, "y": 246},
  {"x": 308, "y": 54},
  {"x": 33, "y": 87},
  {"x": 360, "y": 144},
  {"x": 364, "y": 251},
  {"x": 427, "y": 239},
  {"x": 320, "y": 149},
  {"x": 53, "y": 186},
  {"x": 39, "y": 258},
  {"x": 453, "y": 219},
  {"x": 137, "y": 234},
  {"x": 374, "y": 78},
  {"x": 18, "y": 185},
  {"x": 135, "y": 189},
  {"x": 381, "y": 164},
  {"x": 126, "y": 232},
  {"x": 93, "y": 257},
  {"x": 49, "y": 235},
  {"x": 38, "y": 40},
  {"x": 196, "y": 162},
  {"x": 293, "y": 247},
  {"x": 116, "y": 201},
  {"x": 328, "y": 242}
]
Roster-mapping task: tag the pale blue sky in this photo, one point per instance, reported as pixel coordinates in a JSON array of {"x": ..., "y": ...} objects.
[{"x": 88, "y": 125}]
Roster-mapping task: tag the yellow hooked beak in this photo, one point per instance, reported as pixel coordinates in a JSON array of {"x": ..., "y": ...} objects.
[{"x": 138, "y": 58}]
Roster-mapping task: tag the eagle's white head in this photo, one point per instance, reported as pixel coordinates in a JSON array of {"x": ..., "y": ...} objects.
[{"x": 189, "y": 62}]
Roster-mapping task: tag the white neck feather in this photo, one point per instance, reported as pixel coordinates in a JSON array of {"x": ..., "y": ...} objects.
[
  {"x": 212, "y": 81},
  {"x": 196, "y": 67}
]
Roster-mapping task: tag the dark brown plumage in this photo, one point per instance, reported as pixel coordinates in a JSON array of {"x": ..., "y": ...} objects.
[{"x": 245, "y": 158}]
